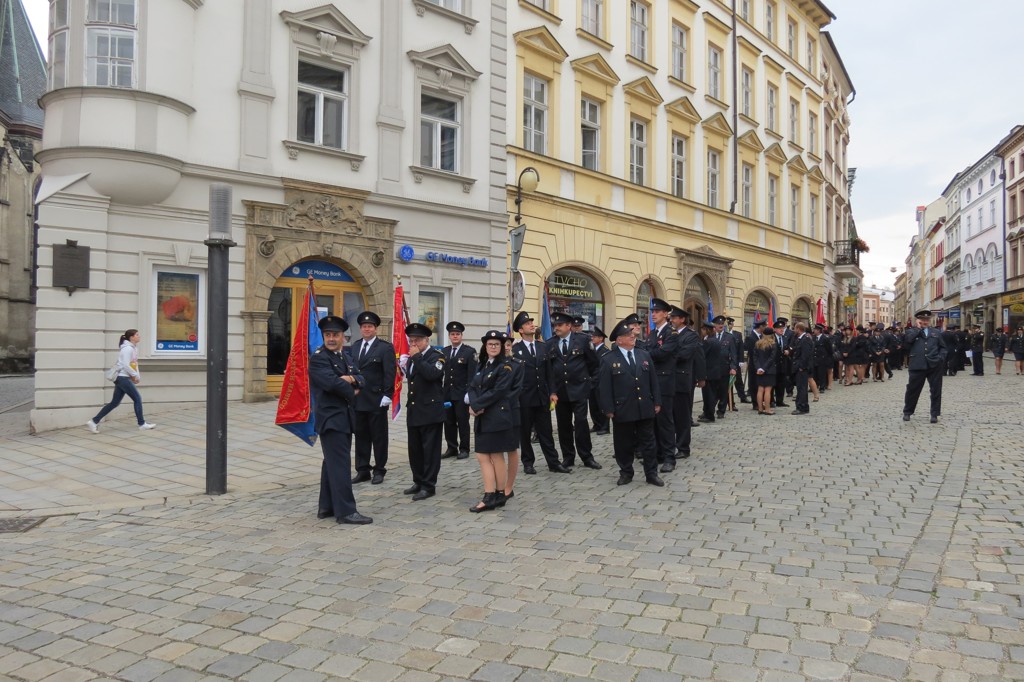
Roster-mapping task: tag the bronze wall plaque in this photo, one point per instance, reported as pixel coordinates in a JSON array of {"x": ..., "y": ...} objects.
[{"x": 71, "y": 266}]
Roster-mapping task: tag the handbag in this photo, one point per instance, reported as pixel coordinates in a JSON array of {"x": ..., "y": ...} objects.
[
  {"x": 837, "y": 355},
  {"x": 111, "y": 374}
]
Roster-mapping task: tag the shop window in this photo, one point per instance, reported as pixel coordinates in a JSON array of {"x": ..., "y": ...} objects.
[{"x": 574, "y": 292}]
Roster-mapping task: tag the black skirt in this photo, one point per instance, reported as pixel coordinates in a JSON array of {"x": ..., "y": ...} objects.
[
  {"x": 491, "y": 442},
  {"x": 765, "y": 380}
]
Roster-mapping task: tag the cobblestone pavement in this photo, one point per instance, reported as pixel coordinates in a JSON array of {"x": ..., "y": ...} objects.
[{"x": 844, "y": 546}]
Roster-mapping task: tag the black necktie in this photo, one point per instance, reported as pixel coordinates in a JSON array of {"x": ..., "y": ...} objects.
[
  {"x": 362, "y": 353},
  {"x": 629, "y": 356},
  {"x": 532, "y": 352},
  {"x": 565, "y": 346}
]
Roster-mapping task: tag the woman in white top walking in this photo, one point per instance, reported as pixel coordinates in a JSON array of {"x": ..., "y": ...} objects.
[{"x": 127, "y": 377}]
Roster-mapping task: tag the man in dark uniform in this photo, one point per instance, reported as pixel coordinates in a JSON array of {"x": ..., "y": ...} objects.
[
  {"x": 600, "y": 427},
  {"x": 748, "y": 352},
  {"x": 977, "y": 341},
  {"x": 662, "y": 345},
  {"x": 577, "y": 325},
  {"x": 730, "y": 357},
  {"x": 741, "y": 390},
  {"x": 572, "y": 366},
  {"x": 787, "y": 336},
  {"x": 425, "y": 411},
  {"x": 952, "y": 341},
  {"x": 926, "y": 361},
  {"x": 783, "y": 365},
  {"x": 803, "y": 364},
  {"x": 335, "y": 384},
  {"x": 460, "y": 365},
  {"x": 687, "y": 350},
  {"x": 375, "y": 359},
  {"x": 822, "y": 357},
  {"x": 630, "y": 399},
  {"x": 534, "y": 401}
]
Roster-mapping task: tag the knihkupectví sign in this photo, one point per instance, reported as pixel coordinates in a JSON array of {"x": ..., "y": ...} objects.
[{"x": 407, "y": 253}]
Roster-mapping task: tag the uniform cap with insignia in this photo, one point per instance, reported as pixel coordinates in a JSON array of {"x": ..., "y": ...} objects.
[
  {"x": 522, "y": 318},
  {"x": 632, "y": 318},
  {"x": 783, "y": 320},
  {"x": 332, "y": 323},
  {"x": 658, "y": 304},
  {"x": 577, "y": 320},
  {"x": 679, "y": 312},
  {"x": 455, "y": 327},
  {"x": 779, "y": 324},
  {"x": 418, "y": 329},
  {"x": 760, "y": 323},
  {"x": 560, "y": 318},
  {"x": 492, "y": 335},
  {"x": 367, "y": 317},
  {"x": 819, "y": 327},
  {"x": 729, "y": 320},
  {"x": 720, "y": 319},
  {"x": 706, "y": 325},
  {"x": 620, "y": 329},
  {"x": 597, "y": 333},
  {"x": 923, "y": 314}
]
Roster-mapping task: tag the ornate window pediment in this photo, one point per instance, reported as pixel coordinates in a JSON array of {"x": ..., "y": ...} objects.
[
  {"x": 596, "y": 66},
  {"x": 327, "y": 29},
  {"x": 797, "y": 164},
  {"x": 542, "y": 41},
  {"x": 750, "y": 140},
  {"x": 445, "y": 62},
  {"x": 684, "y": 108},
  {"x": 718, "y": 124},
  {"x": 775, "y": 153},
  {"x": 644, "y": 89}
]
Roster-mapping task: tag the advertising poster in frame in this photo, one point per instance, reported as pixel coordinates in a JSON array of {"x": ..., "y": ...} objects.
[{"x": 177, "y": 311}]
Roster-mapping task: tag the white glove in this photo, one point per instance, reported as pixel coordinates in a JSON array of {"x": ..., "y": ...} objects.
[
  {"x": 465, "y": 398},
  {"x": 743, "y": 365},
  {"x": 385, "y": 401},
  {"x": 403, "y": 360}
]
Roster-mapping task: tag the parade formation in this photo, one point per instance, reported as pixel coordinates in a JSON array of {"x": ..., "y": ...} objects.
[{"x": 643, "y": 387}]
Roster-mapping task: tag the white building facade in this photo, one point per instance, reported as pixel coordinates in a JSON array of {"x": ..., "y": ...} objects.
[
  {"x": 362, "y": 140},
  {"x": 980, "y": 190}
]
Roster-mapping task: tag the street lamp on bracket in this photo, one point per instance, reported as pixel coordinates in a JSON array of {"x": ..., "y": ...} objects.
[{"x": 528, "y": 180}]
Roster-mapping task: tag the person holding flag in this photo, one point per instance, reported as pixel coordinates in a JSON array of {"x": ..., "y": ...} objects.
[{"x": 335, "y": 384}]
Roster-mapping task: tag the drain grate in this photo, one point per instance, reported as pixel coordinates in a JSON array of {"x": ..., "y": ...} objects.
[{"x": 20, "y": 525}]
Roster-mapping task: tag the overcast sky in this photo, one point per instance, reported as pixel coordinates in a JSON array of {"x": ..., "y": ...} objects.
[{"x": 935, "y": 92}]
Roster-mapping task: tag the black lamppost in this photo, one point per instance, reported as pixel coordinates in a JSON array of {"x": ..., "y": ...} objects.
[
  {"x": 528, "y": 180},
  {"x": 218, "y": 243}
]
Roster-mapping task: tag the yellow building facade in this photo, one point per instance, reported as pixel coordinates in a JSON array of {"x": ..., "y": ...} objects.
[{"x": 679, "y": 151}]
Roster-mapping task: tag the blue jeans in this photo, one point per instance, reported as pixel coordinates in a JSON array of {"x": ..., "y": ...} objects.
[{"x": 123, "y": 386}]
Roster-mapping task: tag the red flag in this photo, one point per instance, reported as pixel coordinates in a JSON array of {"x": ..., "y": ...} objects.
[
  {"x": 401, "y": 343},
  {"x": 295, "y": 406},
  {"x": 820, "y": 317},
  {"x": 771, "y": 313}
]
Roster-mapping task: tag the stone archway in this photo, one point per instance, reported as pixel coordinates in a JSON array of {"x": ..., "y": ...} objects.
[
  {"x": 712, "y": 268},
  {"x": 316, "y": 221}
]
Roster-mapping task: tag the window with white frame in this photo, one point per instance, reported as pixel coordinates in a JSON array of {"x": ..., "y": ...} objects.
[
  {"x": 746, "y": 92},
  {"x": 110, "y": 38},
  {"x": 794, "y": 207},
  {"x": 590, "y": 16},
  {"x": 714, "y": 159},
  {"x": 810, "y": 56},
  {"x": 57, "y": 64},
  {"x": 970, "y": 231},
  {"x": 322, "y": 111},
  {"x": 968, "y": 196},
  {"x": 773, "y": 194},
  {"x": 773, "y": 108},
  {"x": 590, "y": 133},
  {"x": 814, "y": 217},
  {"x": 637, "y": 150},
  {"x": 981, "y": 187},
  {"x": 535, "y": 113},
  {"x": 543, "y": 4},
  {"x": 812, "y": 132},
  {"x": 440, "y": 130},
  {"x": 453, "y": 5},
  {"x": 714, "y": 72},
  {"x": 748, "y": 191},
  {"x": 992, "y": 213},
  {"x": 638, "y": 17},
  {"x": 981, "y": 219},
  {"x": 679, "y": 166},
  {"x": 769, "y": 20},
  {"x": 794, "y": 121},
  {"x": 745, "y": 10},
  {"x": 791, "y": 38},
  {"x": 680, "y": 41},
  {"x": 992, "y": 178}
]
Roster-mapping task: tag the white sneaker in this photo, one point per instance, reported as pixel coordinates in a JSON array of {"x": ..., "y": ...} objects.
[
  {"x": 146, "y": 427},
  {"x": 92, "y": 426}
]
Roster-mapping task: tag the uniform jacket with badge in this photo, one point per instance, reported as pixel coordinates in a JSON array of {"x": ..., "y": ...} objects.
[
  {"x": 333, "y": 397},
  {"x": 457, "y": 371},
  {"x": 491, "y": 391},
  {"x": 687, "y": 350},
  {"x": 377, "y": 367},
  {"x": 571, "y": 375},
  {"x": 822, "y": 350},
  {"x": 721, "y": 355},
  {"x": 662, "y": 345},
  {"x": 803, "y": 353},
  {"x": 925, "y": 353},
  {"x": 536, "y": 390},
  {"x": 1016, "y": 343},
  {"x": 997, "y": 342},
  {"x": 630, "y": 394},
  {"x": 977, "y": 342},
  {"x": 425, "y": 372}
]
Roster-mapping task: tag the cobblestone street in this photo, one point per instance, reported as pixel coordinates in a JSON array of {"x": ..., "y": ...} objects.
[{"x": 845, "y": 546}]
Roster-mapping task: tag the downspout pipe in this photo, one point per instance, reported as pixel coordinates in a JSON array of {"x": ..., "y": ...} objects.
[{"x": 735, "y": 115}]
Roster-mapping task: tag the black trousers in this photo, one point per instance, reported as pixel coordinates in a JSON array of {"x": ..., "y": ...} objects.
[
  {"x": 631, "y": 438},
  {"x": 801, "y": 391},
  {"x": 780, "y": 388},
  {"x": 978, "y": 361},
  {"x": 682, "y": 413},
  {"x": 456, "y": 426},
  {"x": 425, "y": 455},
  {"x": 539, "y": 418},
  {"x": 336, "y": 474},
  {"x": 915, "y": 383},
  {"x": 741, "y": 390},
  {"x": 372, "y": 432},
  {"x": 821, "y": 372},
  {"x": 665, "y": 430},
  {"x": 710, "y": 399},
  {"x": 600, "y": 421},
  {"x": 721, "y": 394},
  {"x": 573, "y": 430}
]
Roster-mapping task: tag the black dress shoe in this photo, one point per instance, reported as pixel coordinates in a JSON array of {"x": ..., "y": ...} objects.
[
  {"x": 568, "y": 465},
  {"x": 377, "y": 479},
  {"x": 324, "y": 513},
  {"x": 450, "y": 452},
  {"x": 529, "y": 469},
  {"x": 355, "y": 518},
  {"x": 602, "y": 432},
  {"x": 781, "y": 404},
  {"x": 463, "y": 454},
  {"x": 488, "y": 503},
  {"x": 591, "y": 463},
  {"x": 934, "y": 420},
  {"x": 411, "y": 490},
  {"x": 693, "y": 424},
  {"x": 721, "y": 415},
  {"x": 667, "y": 467},
  {"x": 683, "y": 455},
  {"x": 799, "y": 412},
  {"x": 906, "y": 417},
  {"x": 560, "y": 469},
  {"x": 624, "y": 479},
  {"x": 422, "y": 495},
  {"x": 656, "y": 480},
  {"x": 704, "y": 419},
  {"x": 361, "y": 477}
]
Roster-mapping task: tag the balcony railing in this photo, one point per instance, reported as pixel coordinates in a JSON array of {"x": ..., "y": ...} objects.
[{"x": 846, "y": 254}]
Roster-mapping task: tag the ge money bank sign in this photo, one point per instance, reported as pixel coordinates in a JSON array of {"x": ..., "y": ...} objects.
[{"x": 407, "y": 254}]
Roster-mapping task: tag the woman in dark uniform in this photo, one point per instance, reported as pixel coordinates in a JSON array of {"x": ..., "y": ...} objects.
[
  {"x": 876, "y": 348},
  {"x": 490, "y": 405},
  {"x": 1016, "y": 346},
  {"x": 997, "y": 344},
  {"x": 518, "y": 374},
  {"x": 848, "y": 348},
  {"x": 764, "y": 369}
]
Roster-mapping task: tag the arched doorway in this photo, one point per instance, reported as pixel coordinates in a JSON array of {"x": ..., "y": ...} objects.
[
  {"x": 337, "y": 293},
  {"x": 756, "y": 307},
  {"x": 574, "y": 292},
  {"x": 802, "y": 312},
  {"x": 645, "y": 291},
  {"x": 696, "y": 298}
]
